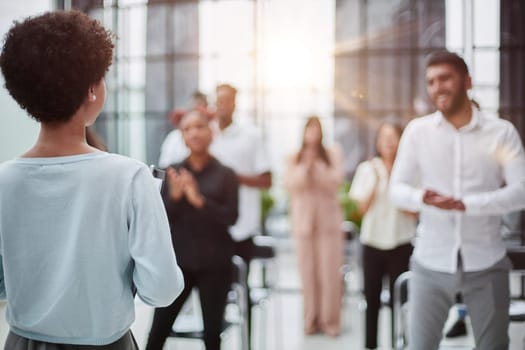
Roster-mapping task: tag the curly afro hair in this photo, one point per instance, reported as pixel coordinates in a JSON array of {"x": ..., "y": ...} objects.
[{"x": 50, "y": 61}]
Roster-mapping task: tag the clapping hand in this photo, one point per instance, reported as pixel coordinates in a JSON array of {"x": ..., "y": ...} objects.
[
  {"x": 182, "y": 183},
  {"x": 442, "y": 202},
  {"x": 309, "y": 157},
  {"x": 175, "y": 184},
  {"x": 191, "y": 189}
]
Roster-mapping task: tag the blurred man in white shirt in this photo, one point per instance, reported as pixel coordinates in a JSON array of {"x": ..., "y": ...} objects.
[
  {"x": 461, "y": 170},
  {"x": 241, "y": 148}
]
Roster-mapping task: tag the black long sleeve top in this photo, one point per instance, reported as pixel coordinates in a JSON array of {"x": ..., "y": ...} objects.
[{"x": 200, "y": 236}]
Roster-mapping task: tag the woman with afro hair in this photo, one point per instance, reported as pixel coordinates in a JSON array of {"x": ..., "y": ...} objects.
[{"x": 81, "y": 230}]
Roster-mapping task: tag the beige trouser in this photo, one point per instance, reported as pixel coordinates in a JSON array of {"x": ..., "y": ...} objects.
[{"x": 320, "y": 257}]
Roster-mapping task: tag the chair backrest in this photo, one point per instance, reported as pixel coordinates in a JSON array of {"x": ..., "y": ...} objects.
[
  {"x": 264, "y": 247},
  {"x": 517, "y": 257},
  {"x": 240, "y": 287},
  {"x": 400, "y": 298},
  {"x": 264, "y": 253},
  {"x": 350, "y": 230}
]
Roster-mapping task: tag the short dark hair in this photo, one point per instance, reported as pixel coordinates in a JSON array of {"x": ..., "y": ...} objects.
[
  {"x": 228, "y": 87},
  {"x": 50, "y": 61},
  {"x": 197, "y": 95},
  {"x": 447, "y": 57},
  {"x": 194, "y": 112}
]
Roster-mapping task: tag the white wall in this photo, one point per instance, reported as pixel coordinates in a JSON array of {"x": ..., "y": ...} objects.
[{"x": 17, "y": 130}]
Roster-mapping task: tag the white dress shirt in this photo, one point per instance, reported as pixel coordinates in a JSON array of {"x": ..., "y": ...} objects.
[
  {"x": 173, "y": 149},
  {"x": 384, "y": 226},
  {"x": 483, "y": 164},
  {"x": 241, "y": 148}
]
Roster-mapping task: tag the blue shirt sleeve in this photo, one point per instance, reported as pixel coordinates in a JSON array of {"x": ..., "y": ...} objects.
[{"x": 156, "y": 275}]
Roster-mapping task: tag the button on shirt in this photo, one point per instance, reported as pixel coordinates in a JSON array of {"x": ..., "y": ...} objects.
[
  {"x": 241, "y": 148},
  {"x": 482, "y": 163}
]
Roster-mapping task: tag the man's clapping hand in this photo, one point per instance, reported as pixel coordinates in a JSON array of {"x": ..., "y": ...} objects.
[{"x": 442, "y": 202}]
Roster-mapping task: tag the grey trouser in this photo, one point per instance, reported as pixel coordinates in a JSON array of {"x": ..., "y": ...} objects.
[
  {"x": 16, "y": 342},
  {"x": 485, "y": 293}
]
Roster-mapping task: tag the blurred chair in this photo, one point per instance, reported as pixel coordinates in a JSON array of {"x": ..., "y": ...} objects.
[
  {"x": 264, "y": 258},
  {"x": 351, "y": 232},
  {"x": 400, "y": 306},
  {"x": 517, "y": 308},
  {"x": 237, "y": 296}
]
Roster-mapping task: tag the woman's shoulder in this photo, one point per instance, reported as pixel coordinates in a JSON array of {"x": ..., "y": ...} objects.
[
  {"x": 222, "y": 168},
  {"x": 124, "y": 161},
  {"x": 335, "y": 149},
  {"x": 123, "y": 166},
  {"x": 367, "y": 165},
  {"x": 291, "y": 157}
]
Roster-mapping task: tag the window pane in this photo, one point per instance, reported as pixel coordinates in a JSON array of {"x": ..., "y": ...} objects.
[
  {"x": 488, "y": 98},
  {"x": 486, "y": 22},
  {"x": 226, "y": 26},
  {"x": 455, "y": 23},
  {"x": 485, "y": 68}
]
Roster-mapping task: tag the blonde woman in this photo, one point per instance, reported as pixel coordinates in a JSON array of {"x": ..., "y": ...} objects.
[{"x": 312, "y": 178}]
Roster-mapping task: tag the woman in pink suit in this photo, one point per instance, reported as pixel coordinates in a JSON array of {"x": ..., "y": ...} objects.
[{"x": 312, "y": 178}]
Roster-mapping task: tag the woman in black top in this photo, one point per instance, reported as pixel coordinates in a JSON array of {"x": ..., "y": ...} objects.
[{"x": 201, "y": 198}]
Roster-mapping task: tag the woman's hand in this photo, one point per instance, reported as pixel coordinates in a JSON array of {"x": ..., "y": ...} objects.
[
  {"x": 175, "y": 184},
  {"x": 309, "y": 158},
  {"x": 191, "y": 189}
]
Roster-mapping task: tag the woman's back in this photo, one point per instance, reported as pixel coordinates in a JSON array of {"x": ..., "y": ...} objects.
[{"x": 77, "y": 234}]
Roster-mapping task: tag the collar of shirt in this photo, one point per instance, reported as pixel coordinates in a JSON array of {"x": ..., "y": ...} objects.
[
  {"x": 230, "y": 130},
  {"x": 210, "y": 164},
  {"x": 475, "y": 121}
]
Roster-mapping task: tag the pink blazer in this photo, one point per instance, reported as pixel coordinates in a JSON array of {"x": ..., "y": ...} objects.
[{"x": 314, "y": 204}]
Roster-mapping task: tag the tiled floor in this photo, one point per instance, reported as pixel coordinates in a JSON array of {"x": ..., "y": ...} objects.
[{"x": 282, "y": 329}]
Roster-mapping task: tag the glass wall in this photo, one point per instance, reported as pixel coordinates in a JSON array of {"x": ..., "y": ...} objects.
[
  {"x": 17, "y": 132},
  {"x": 379, "y": 58},
  {"x": 168, "y": 49},
  {"x": 352, "y": 62},
  {"x": 473, "y": 29}
]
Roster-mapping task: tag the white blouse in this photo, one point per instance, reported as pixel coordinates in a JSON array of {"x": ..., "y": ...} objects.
[{"x": 383, "y": 226}]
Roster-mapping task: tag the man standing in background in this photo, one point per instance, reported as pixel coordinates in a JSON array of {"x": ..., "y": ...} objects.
[{"x": 241, "y": 148}]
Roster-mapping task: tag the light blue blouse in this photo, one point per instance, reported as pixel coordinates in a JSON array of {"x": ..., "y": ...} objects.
[{"x": 78, "y": 234}]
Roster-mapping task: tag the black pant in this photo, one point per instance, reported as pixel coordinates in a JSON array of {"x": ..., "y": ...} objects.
[
  {"x": 459, "y": 298},
  {"x": 245, "y": 249},
  {"x": 377, "y": 264},
  {"x": 16, "y": 342},
  {"x": 213, "y": 286}
]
